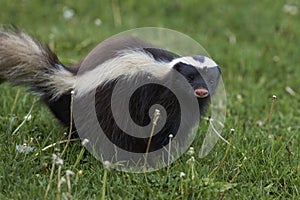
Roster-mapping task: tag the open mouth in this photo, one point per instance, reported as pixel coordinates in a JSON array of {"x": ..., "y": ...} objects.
[{"x": 201, "y": 93}]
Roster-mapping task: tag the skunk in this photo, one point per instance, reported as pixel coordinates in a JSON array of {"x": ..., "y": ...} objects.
[{"x": 126, "y": 60}]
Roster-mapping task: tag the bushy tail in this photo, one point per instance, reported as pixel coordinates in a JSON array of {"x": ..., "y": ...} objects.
[{"x": 26, "y": 62}]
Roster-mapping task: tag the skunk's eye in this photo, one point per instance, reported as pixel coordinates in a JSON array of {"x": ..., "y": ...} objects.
[{"x": 190, "y": 77}]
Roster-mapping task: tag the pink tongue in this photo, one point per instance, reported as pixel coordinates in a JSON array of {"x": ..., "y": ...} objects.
[{"x": 201, "y": 93}]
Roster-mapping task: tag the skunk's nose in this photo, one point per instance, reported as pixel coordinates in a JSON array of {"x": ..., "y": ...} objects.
[{"x": 201, "y": 93}]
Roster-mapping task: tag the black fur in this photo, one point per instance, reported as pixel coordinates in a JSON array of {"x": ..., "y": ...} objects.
[
  {"x": 60, "y": 107},
  {"x": 160, "y": 54},
  {"x": 195, "y": 78},
  {"x": 140, "y": 103}
]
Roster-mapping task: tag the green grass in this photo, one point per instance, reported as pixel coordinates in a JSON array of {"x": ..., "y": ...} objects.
[{"x": 264, "y": 60}]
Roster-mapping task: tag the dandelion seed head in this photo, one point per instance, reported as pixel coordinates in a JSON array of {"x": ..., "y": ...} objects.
[
  {"x": 98, "y": 22},
  {"x": 157, "y": 112},
  {"x": 59, "y": 161},
  {"x": 107, "y": 164},
  {"x": 69, "y": 173},
  {"x": 191, "y": 151},
  {"x": 68, "y": 13}
]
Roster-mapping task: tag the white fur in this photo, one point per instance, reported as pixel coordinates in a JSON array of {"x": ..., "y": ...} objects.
[
  {"x": 128, "y": 63},
  {"x": 191, "y": 61},
  {"x": 61, "y": 82}
]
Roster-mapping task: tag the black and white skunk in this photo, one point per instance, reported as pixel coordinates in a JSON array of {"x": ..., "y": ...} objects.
[{"x": 26, "y": 62}]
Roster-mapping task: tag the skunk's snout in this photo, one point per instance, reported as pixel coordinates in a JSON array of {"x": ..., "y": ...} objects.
[{"x": 201, "y": 93}]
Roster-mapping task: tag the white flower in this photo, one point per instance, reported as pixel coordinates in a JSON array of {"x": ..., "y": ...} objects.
[
  {"x": 98, "y": 22},
  {"x": 182, "y": 175},
  {"x": 290, "y": 9},
  {"x": 68, "y": 13}
]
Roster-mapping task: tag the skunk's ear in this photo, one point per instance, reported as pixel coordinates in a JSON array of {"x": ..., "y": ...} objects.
[{"x": 178, "y": 66}]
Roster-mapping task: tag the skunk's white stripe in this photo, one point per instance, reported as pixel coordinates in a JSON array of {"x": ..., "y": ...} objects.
[
  {"x": 61, "y": 81},
  {"x": 207, "y": 62},
  {"x": 128, "y": 63}
]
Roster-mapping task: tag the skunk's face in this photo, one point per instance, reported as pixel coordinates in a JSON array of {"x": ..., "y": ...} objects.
[{"x": 201, "y": 72}]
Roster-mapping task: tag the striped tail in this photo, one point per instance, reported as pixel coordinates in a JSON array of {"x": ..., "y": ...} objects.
[{"x": 26, "y": 62}]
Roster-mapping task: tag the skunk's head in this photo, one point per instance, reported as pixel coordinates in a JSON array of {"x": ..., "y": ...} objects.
[{"x": 201, "y": 72}]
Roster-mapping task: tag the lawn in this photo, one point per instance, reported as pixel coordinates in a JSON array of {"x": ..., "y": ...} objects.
[{"x": 257, "y": 45}]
